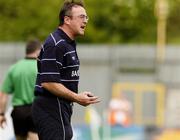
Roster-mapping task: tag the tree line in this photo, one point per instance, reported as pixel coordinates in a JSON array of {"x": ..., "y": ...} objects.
[{"x": 111, "y": 21}]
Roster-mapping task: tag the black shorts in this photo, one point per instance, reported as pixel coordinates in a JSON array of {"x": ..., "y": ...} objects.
[
  {"x": 52, "y": 118},
  {"x": 22, "y": 120}
]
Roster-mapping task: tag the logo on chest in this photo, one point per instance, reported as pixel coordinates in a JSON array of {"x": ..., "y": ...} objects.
[
  {"x": 73, "y": 57},
  {"x": 75, "y": 73}
]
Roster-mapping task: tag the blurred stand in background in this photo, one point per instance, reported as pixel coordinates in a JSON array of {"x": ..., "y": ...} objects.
[{"x": 152, "y": 104}]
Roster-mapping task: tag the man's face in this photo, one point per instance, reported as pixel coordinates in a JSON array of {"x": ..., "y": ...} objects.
[{"x": 78, "y": 20}]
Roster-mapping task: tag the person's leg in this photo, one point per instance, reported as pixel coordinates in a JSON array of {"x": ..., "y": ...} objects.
[
  {"x": 52, "y": 119},
  {"x": 32, "y": 136},
  {"x": 18, "y": 118},
  {"x": 23, "y": 123},
  {"x": 32, "y": 132}
]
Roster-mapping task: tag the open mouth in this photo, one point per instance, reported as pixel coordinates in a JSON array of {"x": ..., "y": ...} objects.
[{"x": 83, "y": 27}]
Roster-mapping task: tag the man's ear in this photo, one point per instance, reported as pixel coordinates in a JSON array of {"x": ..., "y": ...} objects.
[{"x": 67, "y": 20}]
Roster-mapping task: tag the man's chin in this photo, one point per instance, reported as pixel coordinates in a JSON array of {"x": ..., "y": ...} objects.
[{"x": 81, "y": 33}]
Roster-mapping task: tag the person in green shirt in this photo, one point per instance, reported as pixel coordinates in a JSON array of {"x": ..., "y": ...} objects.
[{"x": 19, "y": 82}]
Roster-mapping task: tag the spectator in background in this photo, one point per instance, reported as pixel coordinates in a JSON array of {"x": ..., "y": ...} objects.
[
  {"x": 19, "y": 82},
  {"x": 119, "y": 111}
]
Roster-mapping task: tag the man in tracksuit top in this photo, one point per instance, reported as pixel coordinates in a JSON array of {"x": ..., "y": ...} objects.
[{"x": 58, "y": 76}]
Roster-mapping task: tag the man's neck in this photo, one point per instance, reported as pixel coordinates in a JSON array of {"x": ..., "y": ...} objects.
[
  {"x": 31, "y": 55},
  {"x": 67, "y": 31}
]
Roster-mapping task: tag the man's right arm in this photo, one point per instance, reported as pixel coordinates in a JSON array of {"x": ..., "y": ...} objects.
[
  {"x": 3, "y": 102},
  {"x": 84, "y": 98}
]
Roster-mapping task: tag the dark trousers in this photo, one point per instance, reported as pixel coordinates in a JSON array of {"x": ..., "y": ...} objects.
[{"x": 52, "y": 118}]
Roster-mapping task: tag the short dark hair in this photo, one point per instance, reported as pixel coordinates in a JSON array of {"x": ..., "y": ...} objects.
[
  {"x": 66, "y": 9},
  {"x": 32, "y": 45}
]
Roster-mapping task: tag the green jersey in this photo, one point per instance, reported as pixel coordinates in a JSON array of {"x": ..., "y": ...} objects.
[{"x": 20, "y": 81}]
